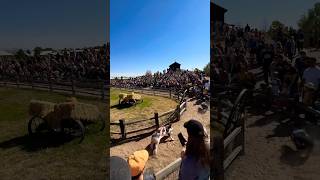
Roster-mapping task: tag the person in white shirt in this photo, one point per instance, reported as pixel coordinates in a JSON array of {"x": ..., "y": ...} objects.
[{"x": 312, "y": 73}]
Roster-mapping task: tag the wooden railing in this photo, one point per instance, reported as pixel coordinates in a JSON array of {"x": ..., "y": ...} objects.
[
  {"x": 154, "y": 122},
  {"x": 169, "y": 172},
  {"x": 226, "y": 150},
  {"x": 94, "y": 88},
  {"x": 230, "y": 143}
]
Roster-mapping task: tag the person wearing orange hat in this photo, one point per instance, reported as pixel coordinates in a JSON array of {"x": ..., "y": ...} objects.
[{"x": 137, "y": 162}]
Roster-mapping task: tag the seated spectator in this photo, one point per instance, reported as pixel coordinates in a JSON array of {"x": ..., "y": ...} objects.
[
  {"x": 137, "y": 162},
  {"x": 196, "y": 156}
]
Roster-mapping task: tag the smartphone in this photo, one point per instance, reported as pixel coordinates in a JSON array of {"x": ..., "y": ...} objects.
[{"x": 182, "y": 140}]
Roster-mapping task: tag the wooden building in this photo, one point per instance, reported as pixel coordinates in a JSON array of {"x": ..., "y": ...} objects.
[
  {"x": 174, "y": 66},
  {"x": 217, "y": 14}
]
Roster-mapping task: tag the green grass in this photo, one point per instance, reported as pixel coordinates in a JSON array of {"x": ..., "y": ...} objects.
[
  {"x": 144, "y": 110},
  {"x": 25, "y": 157}
]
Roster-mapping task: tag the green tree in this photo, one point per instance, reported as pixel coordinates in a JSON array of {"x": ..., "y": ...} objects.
[
  {"x": 206, "y": 69},
  {"x": 37, "y": 51},
  {"x": 20, "y": 54},
  {"x": 148, "y": 73},
  {"x": 275, "y": 27},
  {"x": 309, "y": 23}
]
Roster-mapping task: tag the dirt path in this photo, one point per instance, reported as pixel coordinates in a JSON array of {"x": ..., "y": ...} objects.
[
  {"x": 270, "y": 154},
  {"x": 168, "y": 151}
]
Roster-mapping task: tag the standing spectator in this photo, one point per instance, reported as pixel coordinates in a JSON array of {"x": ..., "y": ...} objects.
[
  {"x": 300, "y": 63},
  {"x": 267, "y": 55},
  {"x": 196, "y": 157}
]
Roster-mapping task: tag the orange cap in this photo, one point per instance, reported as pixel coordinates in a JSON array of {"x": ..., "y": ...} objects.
[{"x": 137, "y": 162}]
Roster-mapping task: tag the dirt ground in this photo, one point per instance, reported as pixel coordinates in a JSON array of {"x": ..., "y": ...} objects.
[
  {"x": 168, "y": 151},
  {"x": 270, "y": 153}
]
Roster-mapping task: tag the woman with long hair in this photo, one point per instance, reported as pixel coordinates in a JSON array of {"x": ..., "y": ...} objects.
[{"x": 196, "y": 155}]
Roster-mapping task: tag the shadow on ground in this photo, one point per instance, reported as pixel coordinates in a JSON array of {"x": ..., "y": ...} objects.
[
  {"x": 293, "y": 157},
  {"x": 37, "y": 142},
  {"x": 117, "y": 142}
]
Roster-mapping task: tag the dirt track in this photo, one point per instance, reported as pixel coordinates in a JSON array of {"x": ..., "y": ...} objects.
[
  {"x": 168, "y": 151},
  {"x": 270, "y": 154}
]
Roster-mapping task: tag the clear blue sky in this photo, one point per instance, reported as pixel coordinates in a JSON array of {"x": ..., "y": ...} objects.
[
  {"x": 260, "y": 12},
  {"x": 152, "y": 34},
  {"x": 54, "y": 23}
]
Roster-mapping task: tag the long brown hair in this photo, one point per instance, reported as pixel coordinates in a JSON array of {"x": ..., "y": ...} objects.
[{"x": 198, "y": 148}]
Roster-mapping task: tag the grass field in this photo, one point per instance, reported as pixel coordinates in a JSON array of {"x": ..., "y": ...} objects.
[
  {"x": 140, "y": 111},
  {"x": 25, "y": 157}
]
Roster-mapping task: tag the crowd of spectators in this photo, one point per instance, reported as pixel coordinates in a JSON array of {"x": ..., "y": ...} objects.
[
  {"x": 64, "y": 65},
  {"x": 286, "y": 68},
  {"x": 168, "y": 79}
]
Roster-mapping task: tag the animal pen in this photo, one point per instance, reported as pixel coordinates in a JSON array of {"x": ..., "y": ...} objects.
[{"x": 125, "y": 135}]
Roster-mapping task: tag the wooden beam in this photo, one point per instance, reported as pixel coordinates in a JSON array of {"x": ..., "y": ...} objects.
[
  {"x": 231, "y": 157},
  {"x": 175, "y": 165},
  {"x": 232, "y": 136}
]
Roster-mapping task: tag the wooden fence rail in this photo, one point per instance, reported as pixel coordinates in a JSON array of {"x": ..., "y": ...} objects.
[
  {"x": 123, "y": 125},
  {"x": 225, "y": 151},
  {"x": 72, "y": 87},
  {"x": 168, "y": 170}
]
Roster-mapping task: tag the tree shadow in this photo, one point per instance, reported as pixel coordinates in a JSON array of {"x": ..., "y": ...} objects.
[
  {"x": 120, "y": 141},
  {"x": 293, "y": 157},
  {"x": 36, "y": 142}
]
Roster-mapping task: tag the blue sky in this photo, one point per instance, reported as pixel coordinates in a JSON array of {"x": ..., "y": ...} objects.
[
  {"x": 54, "y": 23},
  {"x": 150, "y": 35},
  {"x": 261, "y": 12}
]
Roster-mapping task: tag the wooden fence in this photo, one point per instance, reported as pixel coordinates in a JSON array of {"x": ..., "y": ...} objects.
[
  {"x": 91, "y": 88},
  {"x": 169, "y": 172},
  {"x": 226, "y": 150},
  {"x": 168, "y": 93},
  {"x": 173, "y": 116},
  {"x": 227, "y": 146}
]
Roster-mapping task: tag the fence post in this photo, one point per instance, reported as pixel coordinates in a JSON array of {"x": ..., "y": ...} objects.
[
  {"x": 242, "y": 121},
  {"x": 154, "y": 92},
  {"x": 123, "y": 128},
  {"x": 170, "y": 93},
  {"x": 156, "y": 118},
  {"x": 102, "y": 92},
  {"x": 178, "y": 111},
  {"x": 72, "y": 87},
  {"x": 218, "y": 158}
]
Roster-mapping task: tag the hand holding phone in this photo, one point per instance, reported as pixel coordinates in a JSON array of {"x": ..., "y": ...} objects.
[{"x": 182, "y": 140}]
